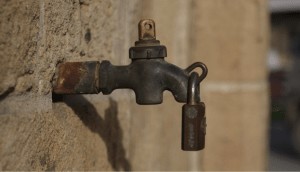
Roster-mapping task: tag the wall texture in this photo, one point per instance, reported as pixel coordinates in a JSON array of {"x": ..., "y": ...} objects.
[{"x": 96, "y": 132}]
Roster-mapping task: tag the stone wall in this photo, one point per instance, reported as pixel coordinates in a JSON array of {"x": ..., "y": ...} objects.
[{"x": 97, "y": 132}]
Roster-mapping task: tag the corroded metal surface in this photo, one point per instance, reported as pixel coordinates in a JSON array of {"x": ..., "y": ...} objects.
[
  {"x": 148, "y": 78},
  {"x": 147, "y": 29},
  {"x": 193, "y": 127},
  {"x": 147, "y": 47},
  {"x": 77, "y": 78}
]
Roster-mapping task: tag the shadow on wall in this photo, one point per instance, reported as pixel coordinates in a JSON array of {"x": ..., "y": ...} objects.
[{"x": 108, "y": 128}]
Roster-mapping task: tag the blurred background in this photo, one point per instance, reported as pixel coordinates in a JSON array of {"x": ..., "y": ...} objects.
[
  {"x": 284, "y": 70},
  {"x": 252, "y": 92}
]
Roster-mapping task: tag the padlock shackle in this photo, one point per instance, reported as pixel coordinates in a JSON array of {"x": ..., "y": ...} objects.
[
  {"x": 193, "y": 89},
  {"x": 200, "y": 65},
  {"x": 194, "y": 82}
]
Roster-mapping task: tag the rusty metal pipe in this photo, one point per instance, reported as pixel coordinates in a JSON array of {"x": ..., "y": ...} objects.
[
  {"x": 77, "y": 78},
  {"x": 147, "y": 78}
]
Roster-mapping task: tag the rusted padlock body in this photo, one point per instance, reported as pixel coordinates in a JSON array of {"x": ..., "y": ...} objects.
[{"x": 193, "y": 127}]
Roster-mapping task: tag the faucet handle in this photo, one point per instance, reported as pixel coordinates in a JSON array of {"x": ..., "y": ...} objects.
[
  {"x": 147, "y": 30},
  {"x": 147, "y": 34},
  {"x": 147, "y": 46}
]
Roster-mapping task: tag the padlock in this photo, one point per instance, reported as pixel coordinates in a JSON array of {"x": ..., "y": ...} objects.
[{"x": 193, "y": 118}]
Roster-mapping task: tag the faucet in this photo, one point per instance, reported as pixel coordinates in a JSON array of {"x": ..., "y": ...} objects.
[{"x": 148, "y": 75}]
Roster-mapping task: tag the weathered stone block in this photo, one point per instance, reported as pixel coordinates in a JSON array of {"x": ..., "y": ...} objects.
[
  {"x": 237, "y": 123},
  {"x": 231, "y": 38}
]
